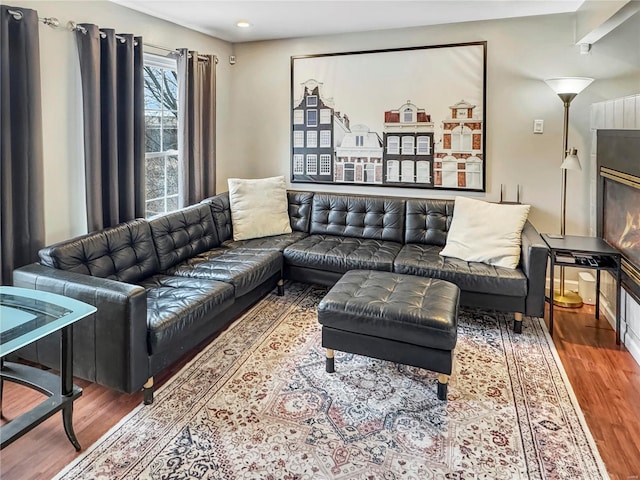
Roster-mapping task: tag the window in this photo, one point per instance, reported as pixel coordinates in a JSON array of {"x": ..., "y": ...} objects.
[
  {"x": 393, "y": 171},
  {"x": 312, "y": 164},
  {"x": 473, "y": 174},
  {"x": 298, "y": 164},
  {"x": 450, "y": 172},
  {"x": 407, "y": 171},
  {"x": 161, "y": 134},
  {"x": 407, "y": 145},
  {"x": 359, "y": 140},
  {"x": 422, "y": 172},
  {"x": 349, "y": 172},
  {"x": 423, "y": 146},
  {"x": 325, "y": 116},
  {"x": 298, "y": 117},
  {"x": 393, "y": 145},
  {"x": 325, "y": 138},
  {"x": 312, "y": 139},
  {"x": 325, "y": 164},
  {"x": 298, "y": 139},
  {"x": 312, "y": 118},
  {"x": 369, "y": 173},
  {"x": 461, "y": 139},
  {"x": 312, "y": 101},
  {"x": 407, "y": 115}
]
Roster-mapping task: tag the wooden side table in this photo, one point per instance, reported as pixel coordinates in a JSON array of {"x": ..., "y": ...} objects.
[{"x": 584, "y": 252}]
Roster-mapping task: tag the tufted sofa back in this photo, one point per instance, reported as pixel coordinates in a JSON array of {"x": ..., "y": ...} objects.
[
  {"x": 300, "y": 210},
  {"x": 221, "y": 213},
  {"x": 377, "y": 218},
  {"x": 299, "y": 213},
  {"x": 124, "y": 252},
  {"x": 183, "y": 234},
  {"x": 428, "y": 221}
]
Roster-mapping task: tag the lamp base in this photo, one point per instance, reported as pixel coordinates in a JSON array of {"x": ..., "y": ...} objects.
[{"x": 568, "y": 300}]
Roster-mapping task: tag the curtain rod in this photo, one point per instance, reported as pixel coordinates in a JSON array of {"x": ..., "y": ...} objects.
[
  {"x": 176, "y": 51},
  {"x": 73, "y": 26},
  {"x": 53, "y": 22}
]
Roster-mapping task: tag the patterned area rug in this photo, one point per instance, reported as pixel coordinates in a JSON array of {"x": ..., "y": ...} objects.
[{"x": 257, "y": 404}]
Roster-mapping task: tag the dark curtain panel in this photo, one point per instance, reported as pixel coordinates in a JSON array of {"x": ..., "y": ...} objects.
[
  {"x": 197, "y": 126},
  {"x": 21, "y": 167},
  {"x": 111, "y": 68}
]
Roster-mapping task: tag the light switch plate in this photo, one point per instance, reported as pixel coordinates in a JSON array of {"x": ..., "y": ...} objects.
[{"x": 538, "y": 126}]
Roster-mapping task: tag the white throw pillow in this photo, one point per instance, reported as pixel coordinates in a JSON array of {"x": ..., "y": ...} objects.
[
  {"x": 486, "y": 232},
  {"x": 259, "y": 207}
]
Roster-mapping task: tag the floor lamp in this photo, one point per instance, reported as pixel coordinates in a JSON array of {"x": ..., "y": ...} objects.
[{"x": 567, "y": 89}]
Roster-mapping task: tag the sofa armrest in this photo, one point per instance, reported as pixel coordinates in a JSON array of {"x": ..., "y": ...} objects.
[
  {"x": 534, "y": 265},
  {"x": 110, "y": 346}
]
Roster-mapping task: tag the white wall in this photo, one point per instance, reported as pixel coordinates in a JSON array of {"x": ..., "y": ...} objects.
[
  {"x": 521, "y": 53},
  {"x": 62, "y": 104}
]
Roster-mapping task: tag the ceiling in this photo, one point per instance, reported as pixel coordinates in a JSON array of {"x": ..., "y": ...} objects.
[{"x": 274, "y": 19}]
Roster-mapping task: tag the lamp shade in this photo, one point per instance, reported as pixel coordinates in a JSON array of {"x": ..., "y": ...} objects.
[
  {"x": 568, "y": 84},
  {"x": 571, "y": 161}
]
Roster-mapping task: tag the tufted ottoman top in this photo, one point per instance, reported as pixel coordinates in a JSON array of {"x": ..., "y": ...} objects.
[{"x": 405, "y": 308}]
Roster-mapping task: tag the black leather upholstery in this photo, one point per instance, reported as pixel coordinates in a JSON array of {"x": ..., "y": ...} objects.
[
  {"x": 408, "y": 309},
  {"x": 125, "y": 253},
  {"x": 181, "y": 263},
  {"x": 428, "y": 221},
  {"x": 424, "y": 260},
  {"x": 339, "y": 254},
  {"x": 276, "y": 242},
  {"x": 244, "y": 268},
  {"x": 376, "y": 218},
  {"x": 221, "y": 213},
  {"x": 300, "y": 210},
  {"x": 181, "y": 235},
  {"x": 175, "y": 306},
  {"x": 110, "y": 346}
]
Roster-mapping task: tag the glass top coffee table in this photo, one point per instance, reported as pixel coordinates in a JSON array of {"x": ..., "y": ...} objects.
[{"x": 26, "y": 316}]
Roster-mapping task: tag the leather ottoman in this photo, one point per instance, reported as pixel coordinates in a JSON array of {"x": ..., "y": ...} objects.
[{"x": 396, "y": 317}]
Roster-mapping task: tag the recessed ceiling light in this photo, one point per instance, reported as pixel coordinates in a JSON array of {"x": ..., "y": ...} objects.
[{"x": 243, "y": 24}]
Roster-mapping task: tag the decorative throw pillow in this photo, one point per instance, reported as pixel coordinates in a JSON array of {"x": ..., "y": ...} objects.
[
  {"x": 259, "y": 207},
  {"x": 486, "y": 232}
]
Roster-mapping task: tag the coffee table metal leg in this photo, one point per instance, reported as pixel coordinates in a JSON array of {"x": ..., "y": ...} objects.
[{"x": 66, "y": 376}]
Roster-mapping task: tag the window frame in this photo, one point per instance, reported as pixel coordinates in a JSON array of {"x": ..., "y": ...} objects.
[{"x": 164, "y": 63}]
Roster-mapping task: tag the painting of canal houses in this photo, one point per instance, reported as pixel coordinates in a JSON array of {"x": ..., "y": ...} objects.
[{"x": 411, "y": 117}]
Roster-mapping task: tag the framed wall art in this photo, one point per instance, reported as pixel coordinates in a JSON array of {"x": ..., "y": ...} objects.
[{"x": 406, "y": 117}]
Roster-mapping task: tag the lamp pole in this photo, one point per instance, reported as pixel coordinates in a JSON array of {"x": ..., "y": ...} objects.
[
  {"x": 566, "y": 100},
  {"x": 567, "y": 88}
]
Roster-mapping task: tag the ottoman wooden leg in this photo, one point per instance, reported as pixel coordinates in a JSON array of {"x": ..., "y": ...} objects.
[
  {"x": 443, "y": 382},
  {"x": 517, "y": 322},
  {"x": 330, "y": 366},
  {"x": 147, "y": 392}
]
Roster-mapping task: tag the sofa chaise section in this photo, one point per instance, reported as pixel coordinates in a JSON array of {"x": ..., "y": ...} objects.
[{"x": 519, "y": 290}]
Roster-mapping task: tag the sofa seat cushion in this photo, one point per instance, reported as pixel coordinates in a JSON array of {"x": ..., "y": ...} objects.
[
  {"x": 340, "y": 254},
  {"x": 425, "y": 260},
  {"x": 277, "y": 242},
  {"x": 244, "y": 268},
  {"x": 177, "y": 306}
]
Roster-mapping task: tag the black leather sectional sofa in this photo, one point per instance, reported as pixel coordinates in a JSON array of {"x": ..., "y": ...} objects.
[{"x": 164, "y": 286}]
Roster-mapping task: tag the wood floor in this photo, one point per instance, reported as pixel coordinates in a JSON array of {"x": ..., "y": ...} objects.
[{"x": 605, "y": 378}]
